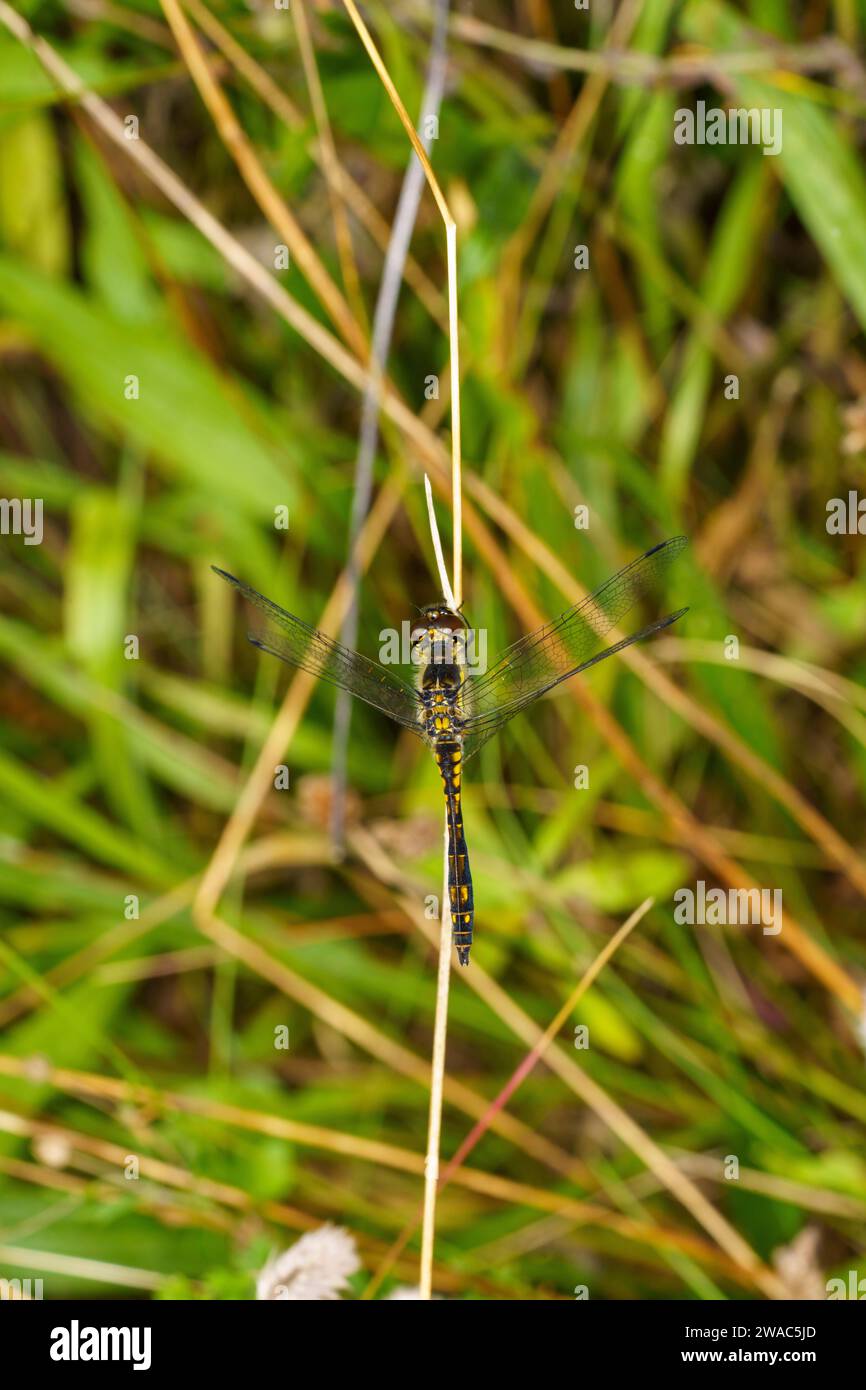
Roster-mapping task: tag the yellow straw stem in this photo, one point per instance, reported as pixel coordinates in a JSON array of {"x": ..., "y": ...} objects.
[
  {"x": 451, "y": 250},
  {"x": 440, "y": 1027}
]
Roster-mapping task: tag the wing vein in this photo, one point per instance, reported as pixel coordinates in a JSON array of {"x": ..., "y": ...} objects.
[{"x": 300, "y": 645}]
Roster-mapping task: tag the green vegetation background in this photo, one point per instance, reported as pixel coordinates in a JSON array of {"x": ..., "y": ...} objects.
[{"x": 603, "y": 388}]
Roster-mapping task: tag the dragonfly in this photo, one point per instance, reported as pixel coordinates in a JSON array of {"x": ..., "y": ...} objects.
[{"x": 453, "y": 710}]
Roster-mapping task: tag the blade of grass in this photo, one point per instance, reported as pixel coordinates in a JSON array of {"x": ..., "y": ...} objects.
[{"x": 257, "y": 180}]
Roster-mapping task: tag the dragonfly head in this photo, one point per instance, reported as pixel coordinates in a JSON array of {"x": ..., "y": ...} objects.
[{"x": 437, "y": 627}]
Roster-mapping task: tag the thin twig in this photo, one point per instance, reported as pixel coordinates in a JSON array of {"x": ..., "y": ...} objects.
[
  {"x": 258, "y": 182},
  {"x": 330, "y": 164},
  {"x": 437, "y": 1076},
  {"x": 542, "y": 1043},
  {"x": 437, "y": 546},
  {"x": 351, "y": 192},
  {"x": 440, "y": 1029},
  {"x": 456, "y": 464},
  {"x": 390, "y": 1156},
  {"x": 75, "y": 1266},
  {"x": 618, "y": 1120},
  {"x": 480, "y": 1128},
  {"x": 396, "y": 258},
  {"x": 636, "y": 68},
  {"x": 451, "y": 247}
]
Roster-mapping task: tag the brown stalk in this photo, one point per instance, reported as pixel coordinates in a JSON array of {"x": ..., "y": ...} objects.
[
  {"x": 523, "y": 1069},
  {"x": 351, "y": 192},
  {"x": 443, "y": 974},
  {"x": 90, "y": 1086},
  {"x": 330, "y": 164},
  {"x": 257, "y": 180},
  {"x": 593, "y": 1095},
  {"x": 630, "y": 68},
  {"x": 559, "y": 160},
  {"x": 392, "y": 1054}
]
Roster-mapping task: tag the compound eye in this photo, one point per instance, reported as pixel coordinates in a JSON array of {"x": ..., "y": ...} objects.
[{"x": 453, "y": 622}]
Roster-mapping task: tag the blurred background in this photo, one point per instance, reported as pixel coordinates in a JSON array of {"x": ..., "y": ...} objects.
[{"x": 216, "y": 1029}]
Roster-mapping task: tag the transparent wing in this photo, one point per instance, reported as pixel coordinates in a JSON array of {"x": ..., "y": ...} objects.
[
  {"x": 294, "y": 641},
  {"x": 563, "y": 648},
  {"x": 479, "y": 729}
]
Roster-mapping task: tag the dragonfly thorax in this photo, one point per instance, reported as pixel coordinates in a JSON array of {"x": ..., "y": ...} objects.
[
  {"x": 439, "y": 648},
  {"x": 439, "y": 638},
  {"x": 437, "y": 622}
]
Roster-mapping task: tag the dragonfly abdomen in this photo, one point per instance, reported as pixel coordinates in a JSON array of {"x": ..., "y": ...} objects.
[{"x": 449, "y": 756}]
